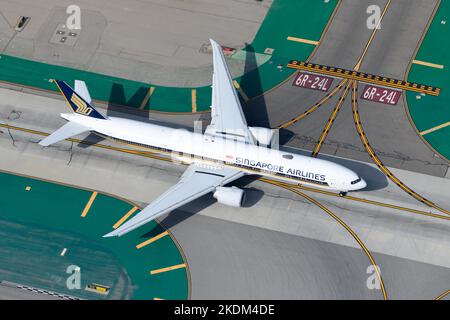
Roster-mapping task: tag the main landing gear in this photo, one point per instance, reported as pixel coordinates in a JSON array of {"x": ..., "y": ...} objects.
[{"x": 342, "y": 193}]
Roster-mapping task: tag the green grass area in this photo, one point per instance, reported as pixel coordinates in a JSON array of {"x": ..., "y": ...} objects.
[
  {"x": 297, "y": 18},
  {"x": 428, "y": 111},
  {"x": 48, "y": 219}
]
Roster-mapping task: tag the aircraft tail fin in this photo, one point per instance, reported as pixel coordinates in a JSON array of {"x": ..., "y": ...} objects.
[
  {"x": 79, "y": 99},
  {"x": 68, "y": 130}
]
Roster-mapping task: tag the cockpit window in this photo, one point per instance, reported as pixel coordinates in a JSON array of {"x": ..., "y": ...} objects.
[
  {"x": 288, "y": 156},
  {"x": 356, "y": 181}
]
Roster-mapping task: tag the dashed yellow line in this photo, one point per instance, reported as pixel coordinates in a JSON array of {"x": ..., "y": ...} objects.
[
  {"x": 442, "y": 295},
  {"x": 428, "y": 64},
  {"x": 330, "y": 122},
  {"x": 178, "y": 266},
  {"x": 151, "y": 240},
  {"x": 146, "y": 98},
  {"x": 241, "y": 92},
  {"x": 155, "y": 156},
  {"x": 194, "y": 100},
  {"x": 313, "y": 42},
  {"x": 377, "y": 160},
  {"x": 343, "y": 224},
  {"x": 435, "y": 128},
  {"x": 314, "y": 107},
  {"x": 89, "y": 204},
  {"x": 125, "y": 217}
]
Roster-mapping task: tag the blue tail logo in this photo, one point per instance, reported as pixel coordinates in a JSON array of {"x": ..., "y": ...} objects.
[{"x": 77, "y": 103}]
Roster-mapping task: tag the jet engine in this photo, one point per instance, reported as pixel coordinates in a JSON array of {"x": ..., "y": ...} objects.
[
  {"x": 262, "y": 135},
  {"x": 230, "y": 196}
]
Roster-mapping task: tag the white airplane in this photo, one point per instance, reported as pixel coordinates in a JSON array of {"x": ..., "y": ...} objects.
[{"x": 226, "y": 151}]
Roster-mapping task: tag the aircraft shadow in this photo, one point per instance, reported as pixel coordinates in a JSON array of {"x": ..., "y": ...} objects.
[{"x": 252, "y": 196}]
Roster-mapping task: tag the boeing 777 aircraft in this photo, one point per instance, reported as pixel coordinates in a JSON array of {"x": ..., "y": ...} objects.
[{"x": 226, "y": 151}]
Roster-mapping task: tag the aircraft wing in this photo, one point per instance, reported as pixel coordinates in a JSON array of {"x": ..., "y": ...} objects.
[
  {"x": 195, "y": 182},
  {"x": 227, "y": 118}
]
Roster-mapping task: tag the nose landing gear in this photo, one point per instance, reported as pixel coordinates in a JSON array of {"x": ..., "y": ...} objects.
[{"x": 342, "y": 193}]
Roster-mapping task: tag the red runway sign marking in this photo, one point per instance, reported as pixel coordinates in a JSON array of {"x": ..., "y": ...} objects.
[
  {"x": 312, "y": 81},
  {"x": 381, "y": 95}
]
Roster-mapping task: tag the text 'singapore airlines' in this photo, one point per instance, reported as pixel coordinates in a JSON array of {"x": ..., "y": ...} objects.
[{"x": 225, "y": 152}]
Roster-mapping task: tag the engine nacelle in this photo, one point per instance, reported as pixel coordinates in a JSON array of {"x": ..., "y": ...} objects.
[
  {"x": 230, "y": 196},
  {"x": 262, "y": 135}
]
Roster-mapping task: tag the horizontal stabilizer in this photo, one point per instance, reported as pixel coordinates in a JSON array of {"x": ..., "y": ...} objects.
[{"x": 68, "y": 130}]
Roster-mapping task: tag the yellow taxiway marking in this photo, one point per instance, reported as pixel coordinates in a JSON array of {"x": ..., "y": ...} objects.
[
  {"x": 428, "y": 64},
  {"x": 125, "y": 217},
  {"x": 178, "y": 266},
  {"x": 314, "y": 107},
  {"x": 194, "y": 100},
  {"x": 239, "y": 89},
  {"x": 151, "y": 240},
  {"x": 89, "y": 204},
  {"x": 435, "y": 128},
  {"x": 155, "y": 156},
  {"x": 313, "y": 42},
  {"x": 377, "y": 160},
  {"x": 343, "y": 224},
  {"x": 443, "y": 295},
  {"x": 330, "y": 122},
  {"x": 146, "y": 98}
]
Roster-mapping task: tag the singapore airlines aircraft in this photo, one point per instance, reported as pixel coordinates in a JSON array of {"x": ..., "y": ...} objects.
[{"x": 226, "y": 151}]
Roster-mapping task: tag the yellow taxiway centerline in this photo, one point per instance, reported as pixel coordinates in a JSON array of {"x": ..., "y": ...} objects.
[
  {"x": 151, "y": 240},
  {"x": 89, "y": 204},
  {"x": 443, "y": 295},
  {"x": 435, "y": 128},
  {"x": 155, "y": 156},
  {"x": 428, "y": 64},
  {"x": 178, "y": 266},
  {"x": 125, "y": 217},
  {"x": 313, "y": 42}
]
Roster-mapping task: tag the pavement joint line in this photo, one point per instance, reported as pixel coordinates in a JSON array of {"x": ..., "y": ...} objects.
[
  {"x": 151, "y": 240},
  {"x": 154, "y": 156},
  {"x": 194, "y": 100},
  {"x": 125, "y": 217},
  {"x": 178, "y": 266},
  {"x": 146, "y": 98},
  {"x": 377, "y": 160},
  {"x": 241, "y": 92},
  {"x": 372, "y": 36},
  {"x": 428, "y": 64},
  {"x": 441, "y": 126},
  {"x": 344, "y": 225},
  {"x": 301, "y": 40},
  {"x": 89, "y": 204}
]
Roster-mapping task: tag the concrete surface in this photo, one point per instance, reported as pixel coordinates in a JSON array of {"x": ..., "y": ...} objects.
[
  {"x": 387, "y": 127},
  {"x": 293, "y": 229},
  {"x": 156, "y": 41}
]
